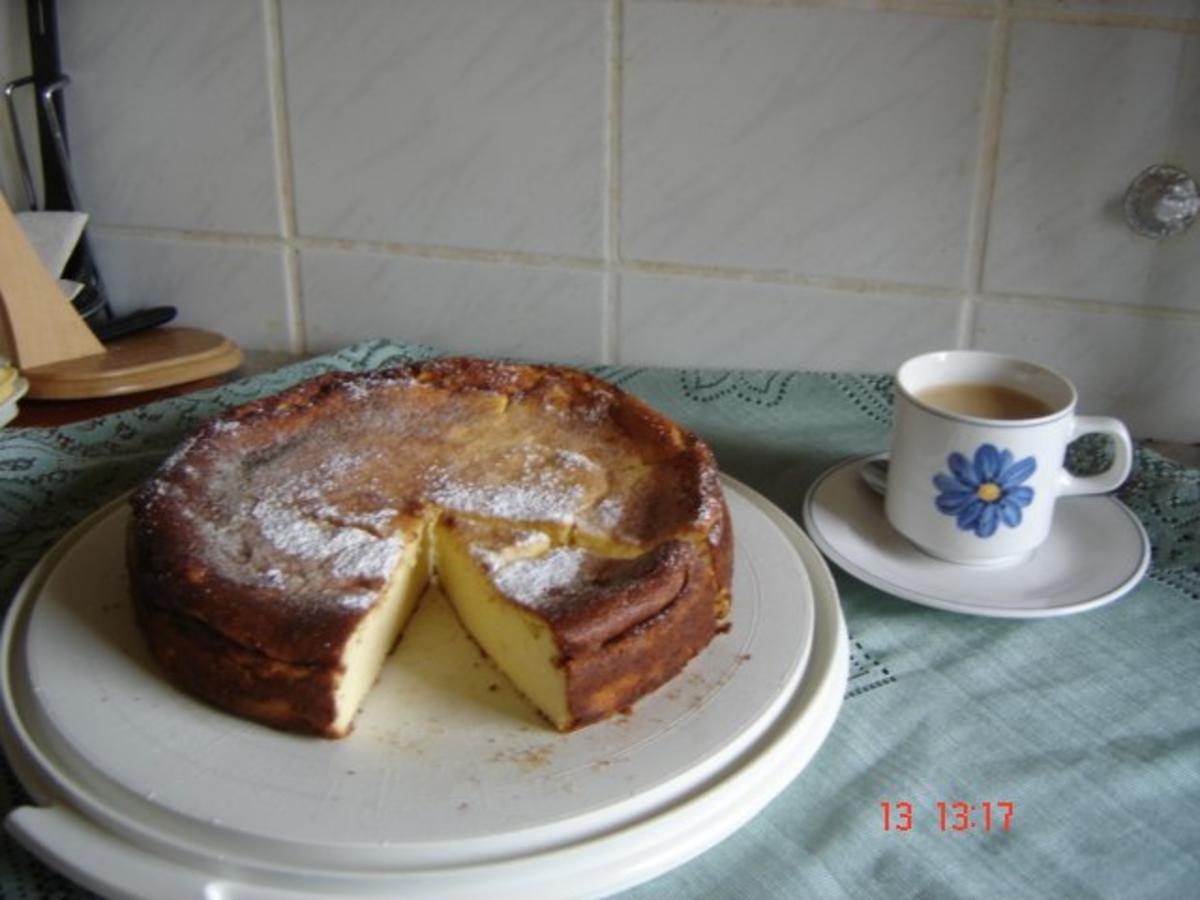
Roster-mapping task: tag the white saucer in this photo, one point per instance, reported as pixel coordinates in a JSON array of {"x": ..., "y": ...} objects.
[{"x": 1097, "y": 552}]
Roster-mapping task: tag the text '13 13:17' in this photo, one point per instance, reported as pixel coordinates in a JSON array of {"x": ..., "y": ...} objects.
[{"x": 949, "y": 815}]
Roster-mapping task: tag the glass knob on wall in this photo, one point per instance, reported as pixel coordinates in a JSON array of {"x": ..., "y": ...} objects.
[{"x": 1162, "y": 201}]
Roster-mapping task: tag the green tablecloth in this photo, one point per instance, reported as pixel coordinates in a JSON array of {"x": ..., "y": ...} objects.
[{"x": 1088, "y": 725}]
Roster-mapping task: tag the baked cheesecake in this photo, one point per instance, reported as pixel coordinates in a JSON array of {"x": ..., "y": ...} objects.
[{"x": 580, "y": 536}]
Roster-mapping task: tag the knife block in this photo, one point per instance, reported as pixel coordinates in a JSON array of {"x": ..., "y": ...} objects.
[{"x": 61, "y": 358}]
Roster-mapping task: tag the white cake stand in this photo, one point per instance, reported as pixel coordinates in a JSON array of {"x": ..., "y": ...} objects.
[{"x": 449, "y": 786}]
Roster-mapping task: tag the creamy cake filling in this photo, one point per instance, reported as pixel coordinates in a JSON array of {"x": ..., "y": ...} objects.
[
  {"x": 517, "y": 641},
  {"x": 376, "y": 636}
]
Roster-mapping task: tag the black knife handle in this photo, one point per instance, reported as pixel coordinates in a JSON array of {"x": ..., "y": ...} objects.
[
  {"x": 141, "y": 320},
  {"x": 47, "y": 69}
]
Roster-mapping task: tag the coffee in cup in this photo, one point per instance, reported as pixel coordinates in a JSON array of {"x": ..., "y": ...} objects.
[{"x": 985, "y": 401}]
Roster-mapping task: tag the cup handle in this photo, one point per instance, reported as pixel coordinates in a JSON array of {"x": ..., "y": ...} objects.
[{"x": 1112, "y": 477}]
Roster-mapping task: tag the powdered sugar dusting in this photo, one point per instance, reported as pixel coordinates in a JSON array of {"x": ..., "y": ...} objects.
[
  {"x": 519, "y": 501},
  {"x": 349, "y": 553},
  {"x": 286, "y": 530},
  {"x": 176, "y": 458},
  {"x": 538, "y": 485},
  {"x": 609, "y": 512},
  {"x": 535, "y": 582}
]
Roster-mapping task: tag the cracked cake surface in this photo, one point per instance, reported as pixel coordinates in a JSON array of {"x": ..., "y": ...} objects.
[{"x": 288, "y": 534}]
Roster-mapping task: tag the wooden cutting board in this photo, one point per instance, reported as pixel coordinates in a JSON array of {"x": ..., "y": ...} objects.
[
  {"x": 62, "y": 359},
  {"x": 141, "y": 362}
]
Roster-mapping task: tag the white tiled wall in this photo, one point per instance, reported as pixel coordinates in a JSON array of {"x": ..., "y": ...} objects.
[
  {"x": 679, "y": 321},
  {"x": 1077, "y": 121},
  {"x": 815, "y": 141},
  {"x": 760, "y": 183},
  {"x": 463, "y": 124},
  {"x": 528, "y": 311}
]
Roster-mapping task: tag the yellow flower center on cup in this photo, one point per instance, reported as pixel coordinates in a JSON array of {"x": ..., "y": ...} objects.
[{"x": 988, "y": 492}]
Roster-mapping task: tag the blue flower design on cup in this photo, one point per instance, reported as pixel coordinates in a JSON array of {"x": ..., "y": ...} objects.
[{"x": 983, "y": 492}]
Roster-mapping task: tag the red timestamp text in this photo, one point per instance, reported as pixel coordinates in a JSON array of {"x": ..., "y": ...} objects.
[{"x": 949, "y": 815}]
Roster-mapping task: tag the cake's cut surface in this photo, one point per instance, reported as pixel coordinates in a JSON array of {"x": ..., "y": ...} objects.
[
  {"x": 581, "y": 537},
  {"x": 542, "y": 611}
]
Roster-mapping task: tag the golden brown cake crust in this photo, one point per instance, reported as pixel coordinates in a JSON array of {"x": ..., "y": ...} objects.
[
  {"x": 289, "y": 696},
  {"x": 269, "y": 533},
  {"x": 648, "y": 654}
]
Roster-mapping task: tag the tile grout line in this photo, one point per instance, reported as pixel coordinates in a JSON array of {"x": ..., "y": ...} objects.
[
  {"x": 443, "y": 252},
  {"x": 782, "y": 278},
  {"x": 1098, "y": 307},
  {"x": 918, "y": 7},
  {"x": 285, "y": 181},
  {"x": 760, "y": 277},
  {"x": 995, "y": 93},
  {"x": 610, "y": 334},
  {"x": 969, "y": 10},
  {"x": 1109, "y": 20}
]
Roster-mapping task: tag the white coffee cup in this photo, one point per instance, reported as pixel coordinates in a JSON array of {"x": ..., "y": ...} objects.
[{"x": 977, "y": 455}]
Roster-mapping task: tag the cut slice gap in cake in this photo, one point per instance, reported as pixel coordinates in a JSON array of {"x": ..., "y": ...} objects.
[{"x": 376, "y": 636}]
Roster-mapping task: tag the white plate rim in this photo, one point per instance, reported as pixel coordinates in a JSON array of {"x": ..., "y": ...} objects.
[
  {"x": 776, "y": 758},
  {"x": 949, "y": 604}
]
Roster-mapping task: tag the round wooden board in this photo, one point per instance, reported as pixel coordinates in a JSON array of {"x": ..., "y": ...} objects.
[{"x": 141, "y": 362}]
